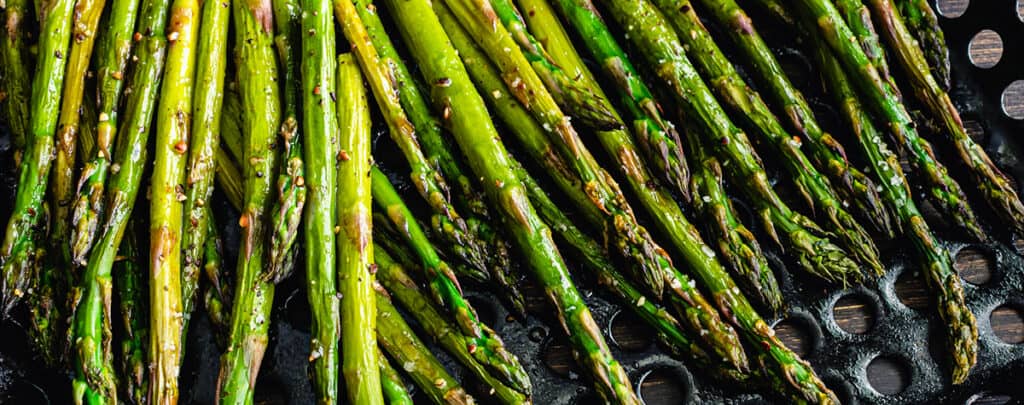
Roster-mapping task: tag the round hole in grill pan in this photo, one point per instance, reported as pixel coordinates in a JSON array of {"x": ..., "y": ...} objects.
[
  {"x": 1012, "y": 99},
  {"x": 911, "y": 290},
  {"x": 557, "y": 356},
  {"x": 665, "y": 386},
  {"x": 975, "y": 265},
  {"x": 629, "y": 332},
  {"x": 985, "y": 49},
  {"x": 888, "y": 374},
  {"x": 952, "y": 8},
  {"x": 799, "y": 332},
  {"x": 855, "y": 313},
  {"x": 1007, "y": 322}
]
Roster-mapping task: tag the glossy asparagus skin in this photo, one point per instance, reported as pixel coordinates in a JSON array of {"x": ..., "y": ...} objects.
[
  {"x": 321, "y": 155},
  {"x": 824, "y": 150},
  {"x": 91, "y": 326},
  {"x": 401, "y": 343},
  {"x": 734, "y": 93},
  {"x": 786, "y": 372},
  {"x": 286, "y": 214},
  {"x": 428, "y": 180},
  {"x": 355, "y": 239},
  {"x": 656, "y": 135},
  {"x": 884, "y": 100},
  {"x": 167, "y": 197},
  {"x": 923, "y": 24},
  {"x": 211, "y": 65},
  {"x": 403, "y": 289},
  {"x": 483, "y": 343},
  {"x": 439, "y": 152},
  {"x": 54, "y": 41},
  {"x": 130, "y": 284},
  {"x": 857, "y": 16},
  {"x": 464, "y": 111},
  {"x": 801, "y": 237},
  {"x": 15, "y": 83},
  {"x": 392, "y": 384},
  {"x": 960, "y": 326},
  {"x": 737, "y": 245},
  {"x": 217, "y": 297},
  {"x": 685, "y": 299},
  {"x": 993, "y": 185},
  {"x": 577, "y": 100},
  {"x": 250, "y": 314},
  {"x": 111, "y": 73}
]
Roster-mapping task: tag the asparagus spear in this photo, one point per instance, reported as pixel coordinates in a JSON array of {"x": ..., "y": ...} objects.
[
  {"x": 402, "y": 288},
  {"x": 167, "y": 197},
  {"x": 391, "y": 383},
  {"x": 923, "y": 24},
  {"x": 46, "y": 306},
  {"x": 734, "y": 92},
  {"x": 229, "y": 179},
  {"x": 785, "y": 370},
  {"x": 217, "y": 298},
  {"x": 286, "y": 214},
  {"x": 14, "y": 71},
  {"x": 54, "y": 40},
  {"x": 858, "y": 18},
  {"x": 437, "y": 149},
  {"x": 401, "y": 343},
  {"x": 960, "y": 329},
  {"x": 815, "y": 253},
  {"x": 201, "y": 165},
  {"x": 85, "y": 19},
  {"x": 428, "y": 180},
  {"x": 232, "y": 117},
  {"x": 355, "y": 241},
  {"x": 130, "y": 283},
  {"x": 483, "y": 343},
  {"x": 736, "y": 244},
  {"x": 253, "y": 294},
  {"x": 657, "y": 136},
  {"x": 1000, "y": 195},
  {"x": 944, "y": 192},
  {"x": 827, "y": 153},
  {"x": 115, "y": 48},
  {"x": 321, "y": 152},
  {"x": 476, "y": 136},
  {"x": 91, "y": 325},
  {"x": 685, "y": 299},
  {"x": 579, "y": 101}
]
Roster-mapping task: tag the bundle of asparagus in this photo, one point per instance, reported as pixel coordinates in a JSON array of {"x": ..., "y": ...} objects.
[{"x": 284, "y": 132}]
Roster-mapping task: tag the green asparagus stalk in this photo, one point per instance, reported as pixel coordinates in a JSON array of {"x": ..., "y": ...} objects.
[
  {"x": 657, "y": 136},
  {"x": 923, "y": 24},
  {"x": 579, "y": 101},
  {"x": 85, "y": 19},
  {"x": 250, "y": 313},
  {"x": 286, "y": 215},
  {"x": 824, "y": 150},
  {"x": 1000, "y": 195},
  {"x": 232, "y": 117},
  {"x": 355, "y": 240},
  {"x": 402, "y": 288},
  {"x": 87, "y": 134},
  {"x": 15, "y": 83},
  {"x": 130, "y": 284},
  {"x": 788, "y": 374},
  {"x": 438, "y": 151},
  {"x": 112, "y": 63},
  {"x": 167, "y": 197},
  {"x": 321, "y": 156},
  {"x": 802, "y": 238},
  {"x": 94, "y": 378},
  {"x": 201, "y": 165},
  {"x": 858, "y": 18},
  {"x": 229, "y": 178},
  {"x": 392, "y": 384},
  {"x": 401, "y": 343},
  {"x": 655, "y": 267},
  {"x": 463, "y": 110},
  {"x": 689, "y": 302},
  {"x": 944, "y": 192},
  {"x": 736, "y": 244},
  {"x": 45, "y": 303},
  {"x": 217, "y": 297},
  {"x": 430, "y": 183},
  {"x": 960, "y": 329},
  {"x": 54, "y": 41},
  {"x": 485, "y": 346},
  {"x": 734, "y": 92}
]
